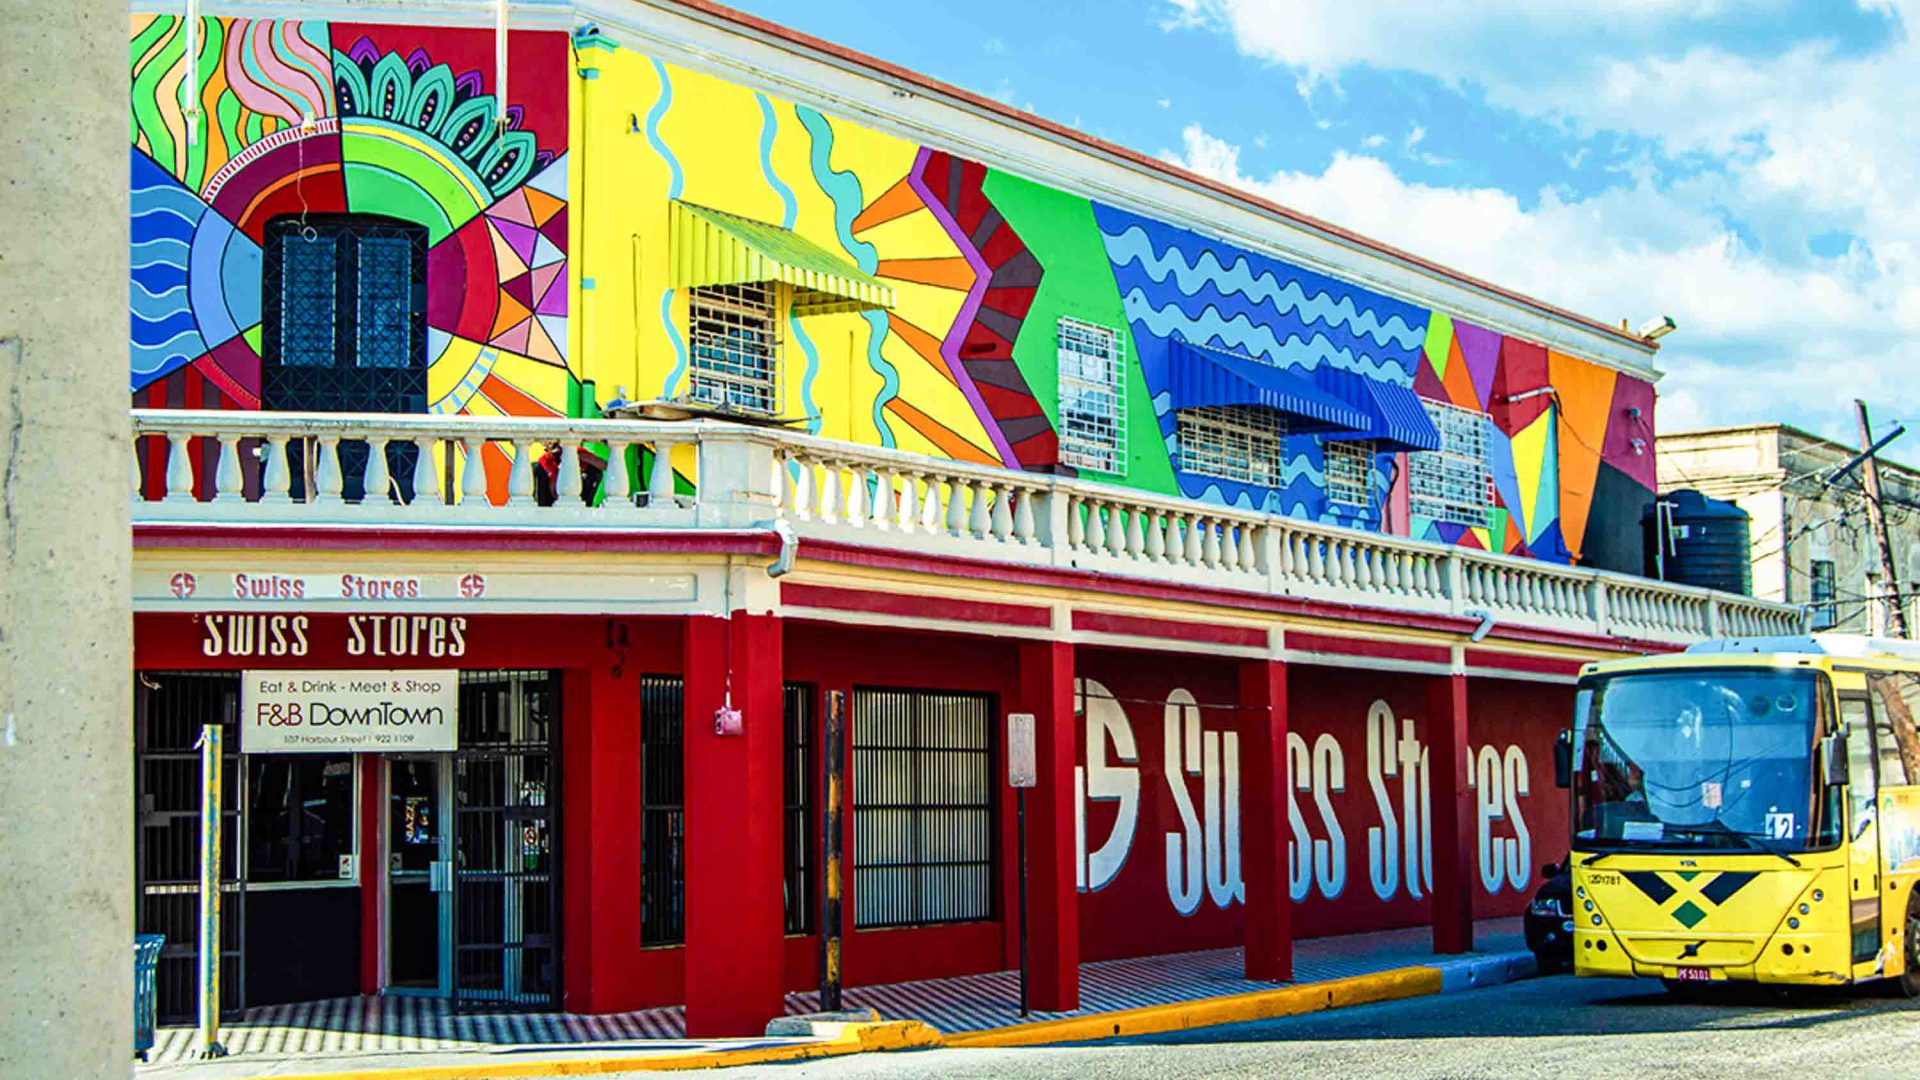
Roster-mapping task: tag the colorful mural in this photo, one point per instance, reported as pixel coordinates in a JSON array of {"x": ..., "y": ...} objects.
[
  {"x": 985, "y": 264},
  {"x": 300, "y": 118}
]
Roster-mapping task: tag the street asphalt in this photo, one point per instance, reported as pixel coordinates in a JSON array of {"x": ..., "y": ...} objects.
[{"x": 1558, "y": 1027}]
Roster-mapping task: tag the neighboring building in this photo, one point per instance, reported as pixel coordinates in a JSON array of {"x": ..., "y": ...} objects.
[
  {"x": 1073, "y": 433},
  {"x": 1812, "y": 545}
]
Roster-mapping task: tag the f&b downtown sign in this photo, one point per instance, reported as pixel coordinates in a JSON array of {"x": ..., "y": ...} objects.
[{"x": 296, "y": 712}]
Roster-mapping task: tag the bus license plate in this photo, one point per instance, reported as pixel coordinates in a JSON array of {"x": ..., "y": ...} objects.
[{"x": 1693, "y": 974}]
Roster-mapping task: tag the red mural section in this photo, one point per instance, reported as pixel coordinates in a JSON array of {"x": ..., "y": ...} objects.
[{"x": 1160, "y": 788}]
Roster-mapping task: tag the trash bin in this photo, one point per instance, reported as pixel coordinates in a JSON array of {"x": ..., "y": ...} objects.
[{"x": 146, "y": 964}]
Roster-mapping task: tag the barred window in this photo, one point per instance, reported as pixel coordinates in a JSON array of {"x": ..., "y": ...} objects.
[
  {"x": 923, "y": 850},
  {"x": 735, "y": 347},
  {"x": 1232, "y": 442},
  {"x": 1349, "y": 471},
  {"x": 1826, "y": 613},
  {"x": 344, "y": 290},
  {"x": 797, "y": 806},
  {"x": 1454, "y": 483},
  {"x": 663, "y": 869},
  {"x": 1093, "y": 397}
]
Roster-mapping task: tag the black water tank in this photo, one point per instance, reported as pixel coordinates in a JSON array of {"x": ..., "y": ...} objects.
[{"x": 1694, "y": 540}]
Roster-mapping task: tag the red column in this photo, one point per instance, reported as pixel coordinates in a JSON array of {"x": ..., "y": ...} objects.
[
  {"x": 1046, "y": 691},
  {"x": 1452, "y": 814},
  {"x": 735, "y": 928},
  {"x": 600, "y": 838},
  {"x": 1264, "y": 831}
]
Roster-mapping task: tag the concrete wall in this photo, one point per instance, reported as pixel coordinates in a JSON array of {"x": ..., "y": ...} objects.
[{"x": 65, "y": 633}]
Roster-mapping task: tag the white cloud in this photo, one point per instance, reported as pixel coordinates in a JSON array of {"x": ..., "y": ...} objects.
[
  {"x": 1748, "y": 156},
  {"x": 1756, "y": 340},
  {"x": 1165, "y": 103},
  {"x": 1374, "y": 141}
]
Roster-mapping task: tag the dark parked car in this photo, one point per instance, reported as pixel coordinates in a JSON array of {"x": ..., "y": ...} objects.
[{"x": 1549, "y": 919}]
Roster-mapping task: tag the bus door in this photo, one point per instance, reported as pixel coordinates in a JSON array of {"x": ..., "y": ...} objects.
[
  {"x": 1863, "y": 849},
  {"x": 1895, "y": 698}
]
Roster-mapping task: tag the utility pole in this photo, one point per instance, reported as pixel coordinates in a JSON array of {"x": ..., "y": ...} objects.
[{"x": 1870, "y": 479}]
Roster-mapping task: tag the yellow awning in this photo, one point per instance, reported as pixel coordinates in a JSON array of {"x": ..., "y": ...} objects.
[{"x": 715, "y": 248}]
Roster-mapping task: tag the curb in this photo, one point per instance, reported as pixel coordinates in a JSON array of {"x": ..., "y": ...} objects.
[{"x": 841, "y": 1039}]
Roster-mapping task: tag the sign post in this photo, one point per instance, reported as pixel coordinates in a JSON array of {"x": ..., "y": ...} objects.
[
  {"x": 832, "y": 742},
  {"x": 1023, "y": 772},
  {"x": 210, "y": 808}
]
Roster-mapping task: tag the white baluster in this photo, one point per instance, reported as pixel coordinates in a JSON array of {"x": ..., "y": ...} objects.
[
  {"x": 660, "y": 480},
  {"x": 1229, "y": 547},
  {"x": 930, "y": 508},
  {"x": 179, "y": 467},
  {"x": 327, "y": 475},
  {"x": 1023, "y": 521},
  {"x": 956, "y": 507},
  {"x": 830, "y": 502},
  {"x": 616, "y": 486},
  {"x": 473, "y": 475},
  {"x": 229, "y": 484},
  {"x": 1116, "y": 530},
  {"x": 1248, "y": 558},
  {"x": 1196, "y": 542},
  {"x": 1136, "y": 534},
  {"x": 1171, "y": 525},
  {"x": 138, "y": 443},
  {"x": 1076, "y": 523},
  {"x": 1002, "y": 520},
  {"x": 567, "y": 484},
  {"x": 276, "y": 480},
  {"x": 1154, "y": 543},
  {"x": 1363, "y": 567},
  {"x": 376, "y": 482},
  {"x": 520, "y": 477},
  {"x": 855, "y": 496},
  {"x": 426, "y": 477},
  {"x": 980, "y": 514},
  {"x": 906, "y": 509},
  {"x": 1096, "y": 528}
]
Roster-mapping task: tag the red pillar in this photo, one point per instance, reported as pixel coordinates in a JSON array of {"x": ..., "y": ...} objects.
[
  {"x": 1046, "y": 691},
  {"x": 1264, "y": 831},
  {"x": 600, "y": 838},
  {"x": 1452, "y": 814},
  {"x": 735, "y": 955}
]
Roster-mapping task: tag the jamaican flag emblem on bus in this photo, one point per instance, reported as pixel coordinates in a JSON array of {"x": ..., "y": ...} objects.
[{"x": 1689, "y": 895}]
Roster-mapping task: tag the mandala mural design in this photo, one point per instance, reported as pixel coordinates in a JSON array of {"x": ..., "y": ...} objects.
[{"x": 308, "y": 117}]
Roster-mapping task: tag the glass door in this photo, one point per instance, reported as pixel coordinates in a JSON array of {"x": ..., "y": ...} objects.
[{"x": 419, "y": 875}]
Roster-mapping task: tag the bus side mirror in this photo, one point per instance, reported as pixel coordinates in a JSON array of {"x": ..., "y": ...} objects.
[
  {"x": 1833, "y": 758},
  {"x": 1563, "y": 759}
]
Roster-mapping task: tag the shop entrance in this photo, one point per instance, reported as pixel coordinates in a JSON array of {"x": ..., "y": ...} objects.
[{"x": 471, "y": 841}]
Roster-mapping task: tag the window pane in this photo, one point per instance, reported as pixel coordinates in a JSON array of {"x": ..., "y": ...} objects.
[
  {"x": 1233, "y": 442},
  {"x": 308, "y": 273},
  {"x": 735, "y": 348},
  {"x": 384, "y": 268},
  {"x": 299, "y": 816},
  {"x": 1092, "y": 396},
  {"x": 1349, "y": 469},
  {"x": 1454, "y": 483}
]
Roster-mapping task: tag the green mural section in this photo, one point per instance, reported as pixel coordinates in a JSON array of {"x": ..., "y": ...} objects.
[{"x": 1061, "y": 232}]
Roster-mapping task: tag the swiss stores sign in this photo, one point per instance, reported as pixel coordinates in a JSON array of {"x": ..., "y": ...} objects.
[{"x": 348, "y": 711}]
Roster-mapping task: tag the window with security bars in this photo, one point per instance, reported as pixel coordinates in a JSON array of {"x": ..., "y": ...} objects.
[
  {"x": 1825, "y": 613},
  {"x": 1093, "y": 385},
  {"x": 1454, "y": 483},
  {"x": 735, "y": 347},
  {"x": 923, "y": 850},
  {"x": 1349, "y": 473},
  {"x": 796, "y": 773},
  {"x": 1232, "y": 442},
  {"x": 342, "y": 292},
  {"x": 663, "y": 877}
]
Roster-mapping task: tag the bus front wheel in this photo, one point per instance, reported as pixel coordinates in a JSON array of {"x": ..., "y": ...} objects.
[{"x": 1909, "y": 980}]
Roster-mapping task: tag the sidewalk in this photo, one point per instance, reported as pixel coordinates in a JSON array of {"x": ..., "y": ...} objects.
[{"x": 364, "y": 1036}]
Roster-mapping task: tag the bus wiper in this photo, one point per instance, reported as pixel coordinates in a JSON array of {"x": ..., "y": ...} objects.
[{"x": 1761, "y": 843}]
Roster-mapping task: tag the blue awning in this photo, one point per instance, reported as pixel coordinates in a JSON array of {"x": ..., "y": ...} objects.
[
  {"x": 1201, "y": 376},
  {"x": 1395, "y": 418}
]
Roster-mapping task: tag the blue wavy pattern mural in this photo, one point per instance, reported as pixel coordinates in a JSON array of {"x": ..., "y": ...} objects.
[
  {"x": 165, "y": 217},
  {"x": 843, "y": 187}
]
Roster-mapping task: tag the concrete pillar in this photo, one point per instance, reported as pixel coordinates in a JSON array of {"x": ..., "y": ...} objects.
[
  {"x": 600, "y": 843},
  {"x": 1453, "y": 853},
  {"x": 66, "y": 705},
  {"x": 1264, "y": 831},
  {"x": 1053, "y": 899},
  {"x": 735, "y": 921}
]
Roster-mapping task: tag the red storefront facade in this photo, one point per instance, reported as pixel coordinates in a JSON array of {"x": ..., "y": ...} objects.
[{"x": 1413, "y": 765}]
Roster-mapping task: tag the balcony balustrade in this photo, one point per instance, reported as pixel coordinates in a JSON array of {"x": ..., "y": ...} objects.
[{"x": 239, "y": 468}]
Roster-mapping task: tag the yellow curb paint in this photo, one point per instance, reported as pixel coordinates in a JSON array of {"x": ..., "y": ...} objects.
[
  {"x": 854, "y": 1039},
  {"x": 1258, "y": 1005}
]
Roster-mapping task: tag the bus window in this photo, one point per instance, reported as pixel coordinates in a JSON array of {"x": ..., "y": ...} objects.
[
  {"x": 1860, "y": 789},
  {"x": 1896, "y": 698}
]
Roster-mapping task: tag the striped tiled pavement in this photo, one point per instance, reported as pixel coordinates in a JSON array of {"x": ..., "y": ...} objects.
[{"x": 365, "y": 1025}]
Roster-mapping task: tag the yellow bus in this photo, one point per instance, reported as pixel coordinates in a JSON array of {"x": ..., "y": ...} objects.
[{"x": 1748, "y": 810}]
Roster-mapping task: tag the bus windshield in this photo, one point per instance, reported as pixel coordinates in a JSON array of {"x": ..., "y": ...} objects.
[{"x": 1716, "y": 758}]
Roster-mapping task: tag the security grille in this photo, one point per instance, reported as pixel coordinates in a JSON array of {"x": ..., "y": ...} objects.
[
  {"x": 923, "y": 851},
  {"x": 169, "y": 709},
  {"x": 1826, "y": 613},
  {"x": 344, "y": 314},
  {"x": 1454, "y": 483},
  {"x": 506, "y": 881},
  {"x": 735, "y": 347},
  {"x": 1349, "y": 471},
  {"x": 663, "y": 874},
  {"x": 1093, "y": 385},
  {"x": 1232, "y": 442},
  {"x": 796, "y": 774}
]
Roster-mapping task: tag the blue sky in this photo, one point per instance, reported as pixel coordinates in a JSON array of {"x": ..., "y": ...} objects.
[{"x": 1750, "y": 168}]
